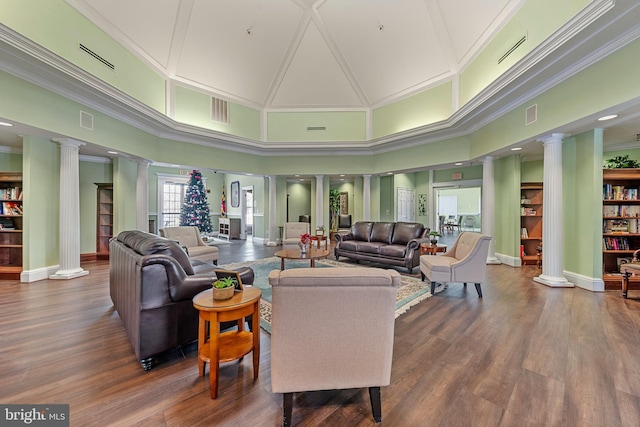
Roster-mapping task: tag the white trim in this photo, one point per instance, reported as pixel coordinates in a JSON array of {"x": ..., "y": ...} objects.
[
  {"x": 509, "y": 260},
  {"x": 594, "y": 284},
  {"x": 28, "y": 276}
]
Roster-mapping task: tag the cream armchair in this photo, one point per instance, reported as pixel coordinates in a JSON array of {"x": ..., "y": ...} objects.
[
  {"x": 189, "y": 238},
  {"x": 332, "y": 328},
  {"x": 466, "y": 261},
  {"x": 292, "y": 232}
]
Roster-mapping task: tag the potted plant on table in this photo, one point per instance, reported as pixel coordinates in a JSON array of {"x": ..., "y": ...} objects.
[
  {"x": 433, "y": 237},
  {"x": 223, "y": 288}
]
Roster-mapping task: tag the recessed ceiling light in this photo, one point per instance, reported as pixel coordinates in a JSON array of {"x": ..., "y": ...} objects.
[
  {"x": 389, "y": 173},
  {"x": 458, "y": 164},
  {"x": 296, "y": 175},
  {"x": 342, "y": 175},
  {"x": 301, "y": 179},
  {"x": 112, "y": 152},
  {"x": 516, "y": 149},
  {"x": 5, "y": 124},
  {"x": 609, "y": 117}
]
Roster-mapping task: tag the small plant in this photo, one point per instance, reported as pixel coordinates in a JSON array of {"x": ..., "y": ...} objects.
[
  {"x": 225, "y": 282},
  {"x": 621, "y": 162},
  {"x": 433, "y": 236}
]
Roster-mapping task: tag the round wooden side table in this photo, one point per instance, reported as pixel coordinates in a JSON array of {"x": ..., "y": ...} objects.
[
  {"x": 230, "y": 345},
  {"x": 430, "y": 249}
]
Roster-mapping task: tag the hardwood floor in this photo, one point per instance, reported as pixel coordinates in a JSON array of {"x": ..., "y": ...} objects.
[{"x": 524, "y": 355}]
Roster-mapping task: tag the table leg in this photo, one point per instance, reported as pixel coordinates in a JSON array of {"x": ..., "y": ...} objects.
[
  {"x": 313, "y": 262},
  {"x": 281, "y": 264},
  {"x": 625, "y": 284},
  {"x": 214, "y": 358},
  {"x": 202, "y": 337},
  {"x": 255, "y": 329}
]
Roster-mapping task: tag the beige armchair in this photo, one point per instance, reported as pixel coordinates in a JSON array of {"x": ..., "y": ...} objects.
[
  {"x": 292, "y": 232},
  {"x": 189, "y": 238},
  {"x": 466, "y": 261},
  {"x": 332, "y": 328}
]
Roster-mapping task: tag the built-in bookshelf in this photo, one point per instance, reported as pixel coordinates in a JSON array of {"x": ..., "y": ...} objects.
[
  {"x": 104, "y": 221},
  {"x": 620, "y": 222},
  {"x": 10, "y": 225},
  {"x": 530, "y": 221}
]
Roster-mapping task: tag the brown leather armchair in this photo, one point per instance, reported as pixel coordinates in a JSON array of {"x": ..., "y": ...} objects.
[{"x": 152, "y": 283}]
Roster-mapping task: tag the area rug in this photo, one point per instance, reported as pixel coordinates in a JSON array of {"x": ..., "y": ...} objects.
[{"x": 412, "y": 290}]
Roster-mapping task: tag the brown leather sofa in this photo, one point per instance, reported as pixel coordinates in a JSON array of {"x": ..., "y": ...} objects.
[
  {"x": 152, "y": 283},
  {"x": 394, "y": 243}
]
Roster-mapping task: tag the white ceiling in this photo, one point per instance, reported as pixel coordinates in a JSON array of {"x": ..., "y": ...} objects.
[
  {"x": 288, "y": 54},
  {"x": 303, "y": 53}
]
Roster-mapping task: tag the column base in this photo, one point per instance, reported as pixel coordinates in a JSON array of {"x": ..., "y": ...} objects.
[
  {"x": 554, "y": 282},
  {"x": 68, "y": 274}
]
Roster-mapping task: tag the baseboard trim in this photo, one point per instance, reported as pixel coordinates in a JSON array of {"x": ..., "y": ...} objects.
[
  {"x": 28, "y": 276},
  {"x": 594, "y": 284},
  {"x": 509, "y": 260}
]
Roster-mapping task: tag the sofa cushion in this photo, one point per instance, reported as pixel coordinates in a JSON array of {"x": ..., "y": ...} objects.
[
  {"x": 370, "y": 247},
  {"x": 361, "y": 230},
  {"x": 143, "y": 243},
  {"x": 382, "y": 232},
  {"x": 349, "y": 245},
  {"x": 406, "y": 231},
  {"x": 393, "y": 251}
]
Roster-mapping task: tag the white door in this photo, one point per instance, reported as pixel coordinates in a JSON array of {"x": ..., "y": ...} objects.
[{"x": 406, "y": 205}]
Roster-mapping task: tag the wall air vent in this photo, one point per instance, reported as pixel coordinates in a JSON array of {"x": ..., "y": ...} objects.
[
  {"x": 531, "y": 114},
  {"x": 316, "y": 128},
  {"x": 96, "y": 56},
  {"x": 219, "y": 110},
  {"x": 86, "y": 120},
  {"x": 512, "y": 48}
]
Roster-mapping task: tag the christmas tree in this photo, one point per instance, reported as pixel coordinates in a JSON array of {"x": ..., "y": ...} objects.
[{"x": 195, "y": 208}]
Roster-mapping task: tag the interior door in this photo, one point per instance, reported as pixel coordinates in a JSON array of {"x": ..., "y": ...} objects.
[{"x": 406, "y": 205}]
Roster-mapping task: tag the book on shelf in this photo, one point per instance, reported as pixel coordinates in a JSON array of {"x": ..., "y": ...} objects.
[
  {"x": 12, "y": 193},
  {"x": 11, "y": 208},
  {"x": 624, "y": 211},
  {"x": 615, "y": 243},
  {"x": 524, "y": 234},
  {"x": 619, "y": 192},
  {"x": 525, "y": 211}
]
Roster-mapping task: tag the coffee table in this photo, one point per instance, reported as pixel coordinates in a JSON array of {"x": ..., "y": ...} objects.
[
  {"x": 312, "y": 254},
  {"x": 229, "y": 345}
]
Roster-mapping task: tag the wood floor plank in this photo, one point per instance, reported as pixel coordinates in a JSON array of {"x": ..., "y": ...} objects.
[{"x": 524, "y": 355}]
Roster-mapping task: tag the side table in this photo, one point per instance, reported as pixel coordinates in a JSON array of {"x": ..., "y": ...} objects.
[
  {"x": 229, "y": 345},
  {"x": 430, "y": 249}
]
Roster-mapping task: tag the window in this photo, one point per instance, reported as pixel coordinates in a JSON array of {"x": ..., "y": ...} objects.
[{"x": 170, "y": 197}]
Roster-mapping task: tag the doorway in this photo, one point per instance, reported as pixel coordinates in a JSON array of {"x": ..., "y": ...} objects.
[
  {"x": 246, "y": 215},
  {"x": 457, "y": 208},
  {"x": 406, "y": 205}
]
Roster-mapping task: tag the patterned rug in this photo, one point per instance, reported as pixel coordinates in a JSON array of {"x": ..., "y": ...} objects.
[{"x": 412, "y": 290}]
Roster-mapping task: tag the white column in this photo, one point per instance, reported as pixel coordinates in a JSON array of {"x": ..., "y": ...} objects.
[
  {"x": 366, "y": 198},
  {"x": 319, "y": 200},
  {"x": 69, "y": 257},
  {"x": 552, "y": 229},
  {"x": 488, "y": 207},
  {"x": 272, "y": 212},
  {"x": 142, "y": 196}
]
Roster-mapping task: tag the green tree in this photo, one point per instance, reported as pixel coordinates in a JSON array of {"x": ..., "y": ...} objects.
[{"x": 195, "y": 208}]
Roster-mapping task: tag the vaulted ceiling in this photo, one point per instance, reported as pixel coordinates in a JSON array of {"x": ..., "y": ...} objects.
[{"x": 303, "y": 53}]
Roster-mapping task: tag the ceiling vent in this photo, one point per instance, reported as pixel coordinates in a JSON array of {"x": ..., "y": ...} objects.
[
  {"x": 96, "y": 56},
  {"x": 531, "y": 114},
  {"x": 316, "y": 128},
  {"x": 513, "y": 48},
  {"x": 219, "y": 110},
  {"x": 86, "y": 120}
]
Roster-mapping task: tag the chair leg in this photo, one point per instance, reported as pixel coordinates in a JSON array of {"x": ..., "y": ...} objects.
[
  {"x": 376, "y": 405},
  {"x": 433, "y": 288},
  {"x": 422, "y": 275},
  {"x": 287, "y": 408},
  {"x": 479, "y": 289}
]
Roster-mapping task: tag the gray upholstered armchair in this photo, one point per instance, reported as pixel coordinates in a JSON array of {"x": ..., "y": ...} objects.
[
  {"x": 466, "y": 261},
  {"x": 332, "y": 328},
  {"x": 188, "y": 236}
]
